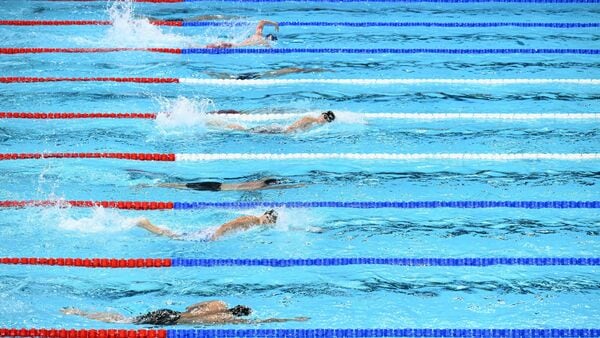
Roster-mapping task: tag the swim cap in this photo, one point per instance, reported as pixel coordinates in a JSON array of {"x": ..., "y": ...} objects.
[
  {"x": 272, "y": 215},
  {"x": 329, "y": 116},
  {"x": 240, "y": 311},
  {"x": 271, "y": 181},
  {"x": 271, "y": 37}
]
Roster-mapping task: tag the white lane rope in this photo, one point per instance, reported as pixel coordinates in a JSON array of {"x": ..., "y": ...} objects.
[
  {"x": 418, "y": 116},
  {"x": 267, "y": 82},
  {"x": 389, "y": 156}
]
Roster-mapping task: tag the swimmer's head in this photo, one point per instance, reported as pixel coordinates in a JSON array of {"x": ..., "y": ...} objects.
[
  {"x": 328, "y": 116},
  {"x": 271, "y": 37},
  {"x": 269, "y": 217},
  {"x": 271, "y": 181},
  {"x": 240, "y": 311}
]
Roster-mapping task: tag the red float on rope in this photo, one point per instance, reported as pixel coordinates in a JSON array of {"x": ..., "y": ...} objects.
[
  {"x": 21, "y": 50},
  {"x": 89, "y": 79},
  {"x": 49, "y": 116},
  {"x": 83, "y": 333},
  {"x": 90, "y": 263},
  {"x": 137, "y": 205},
  {"x": 177, "y": 23}
]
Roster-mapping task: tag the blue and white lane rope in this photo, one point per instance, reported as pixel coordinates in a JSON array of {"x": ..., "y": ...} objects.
[
  {"x": 392, "y": 204},
  {"x": 361, "y": 82},
  {"x": 467, "y": 261},
  {"x": 409, "y": 332},
  {"x": 401, "y": 24},
  {"x": 390, "y": 51}
]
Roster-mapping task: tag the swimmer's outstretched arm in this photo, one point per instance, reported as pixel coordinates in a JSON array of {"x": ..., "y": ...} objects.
[
  {"x": 292, "y": 70},
  {"x": 261, "y": 25},
  {"x": 302, "y": 124},
  {"x": 107, "y": 317},
  {"x": 240, "y": 223},
  {"x": 144, "y": 223}
]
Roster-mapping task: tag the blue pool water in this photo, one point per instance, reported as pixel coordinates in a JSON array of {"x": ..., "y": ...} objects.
[{"x": 361, "y": 296}]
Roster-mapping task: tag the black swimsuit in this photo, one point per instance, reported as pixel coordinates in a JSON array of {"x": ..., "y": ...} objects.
[
  {"x": 204, "y": 186},
  {"x": 158, "y": 317}
]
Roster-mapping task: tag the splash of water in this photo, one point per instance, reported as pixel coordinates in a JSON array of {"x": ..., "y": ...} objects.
[
  {"x": 183, "y": 112},
  {"x": 128, "y": 30},
  {"x": 100, "y": 221}
]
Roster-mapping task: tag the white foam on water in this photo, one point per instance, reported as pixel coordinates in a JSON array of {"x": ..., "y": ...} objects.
[
  {"x": 182, "y": 114},
  {"x": 100, "y": 221},
  {"x": 128, "y": 30}
]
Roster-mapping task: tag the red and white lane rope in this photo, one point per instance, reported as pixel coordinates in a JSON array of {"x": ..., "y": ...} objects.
[
  {"x": 307, "y": 156},
  {"x": 270, "y": 82},
  {"x": 287, "y": 116}
]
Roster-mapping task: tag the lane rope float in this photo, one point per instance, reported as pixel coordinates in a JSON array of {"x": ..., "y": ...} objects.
[
  {"x": 37, "y": 50},
  {"x": 185, "y": 23},
  {"x": 286, "y": 116},
  {"x": 174, "y": 205},
  {"x": 268, "y": 82},
  {"x": 170, "y": 157},
  {"x": 294, "y": 262}
]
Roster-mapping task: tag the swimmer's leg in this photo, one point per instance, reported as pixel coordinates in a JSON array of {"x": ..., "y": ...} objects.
[
  {"x": 173, "y": 185},
  {"x": 144, "y": 223},
  {"x": 107, "y": 317},
  {"x": 220, "y": 76}
]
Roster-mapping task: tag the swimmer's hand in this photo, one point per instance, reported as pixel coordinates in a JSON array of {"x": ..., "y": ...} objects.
[
  {"x": 71, "y": 311},
  {"x": 316, "y": 230}
]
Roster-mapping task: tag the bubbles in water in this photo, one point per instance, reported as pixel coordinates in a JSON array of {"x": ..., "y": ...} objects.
[
  {"x": 129, "y": 31},
  {"x": 100, "y": 221},
  {"x": 183, "y": 112}
]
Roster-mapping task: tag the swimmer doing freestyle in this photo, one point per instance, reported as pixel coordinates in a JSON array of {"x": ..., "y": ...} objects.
[
  {"x": 302, "y": 124},
  {"x": 210, "y": 312},
  {"x": 268, "y": 219},
  {"x": 256, "y": 39}
]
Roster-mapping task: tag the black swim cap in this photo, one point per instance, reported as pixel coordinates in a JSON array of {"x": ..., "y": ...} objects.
[
  {"x": 329, "y": 116},
  {"x": 271, "y": 37},
  {"x": 240, "y": 311},
  {"x": 272, "y": 214},
  {"x": 271, "y": 181}
]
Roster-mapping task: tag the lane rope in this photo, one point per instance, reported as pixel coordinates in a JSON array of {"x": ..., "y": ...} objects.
[
  {"x": 184, "y": 23},
  {"x": 307, "y": 156},
  {"x": 293, "y": 262},
  {"x": 287, "y": 116},
  {"x": 27, "y": 50},
  {"x": 305, "y": 333},
  {"x": 268, "y": 82},
  {"x": 168, "y": 205},
  {"x": 352, "y": 1}
]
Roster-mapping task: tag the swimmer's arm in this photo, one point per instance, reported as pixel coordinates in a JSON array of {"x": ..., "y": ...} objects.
[
  {"x": 240, "y": 223},
  {"x": 303, "y": 123},
  {"x": 208, "y": 304},
  {"x": 144, "y": 223},
  {"x": 106, "y": 317},
  {"x": 260, "y": 321},
  {"x": 261, "y": 25},
  {"x": 283, "y": 186}
]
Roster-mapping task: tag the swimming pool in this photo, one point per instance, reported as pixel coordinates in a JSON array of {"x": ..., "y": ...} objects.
[{"x": 491, "y": 209}]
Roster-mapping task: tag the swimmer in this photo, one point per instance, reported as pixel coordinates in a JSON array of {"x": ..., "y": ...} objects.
[
  {"x": 207, "y": 17},
  {"x": 302, "y": 124},
  {"x": 267, "y": 74},
  {"x": 256, "y": 39},
  {"x": 264, "y": 184},
  {"x": 242, "y": 223},
  {"x": 210, "y": 312}
]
